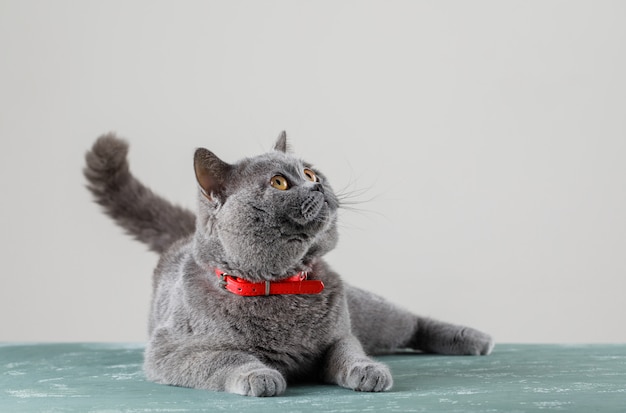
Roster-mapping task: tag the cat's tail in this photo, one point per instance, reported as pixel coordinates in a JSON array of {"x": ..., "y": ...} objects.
[{"x": 143, "y": 214}]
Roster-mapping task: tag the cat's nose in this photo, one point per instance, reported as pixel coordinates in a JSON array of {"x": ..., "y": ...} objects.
[{"x": 317, "y": 187}]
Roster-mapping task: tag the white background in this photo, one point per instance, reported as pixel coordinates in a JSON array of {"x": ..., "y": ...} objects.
[{"x": 485, "y": 140}]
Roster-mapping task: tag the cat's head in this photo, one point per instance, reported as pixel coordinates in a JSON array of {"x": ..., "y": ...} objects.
[{"x": 263, "y": 218}]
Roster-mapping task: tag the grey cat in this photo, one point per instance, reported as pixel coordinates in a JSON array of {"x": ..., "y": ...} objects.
[{"x": 242, "y": 300}]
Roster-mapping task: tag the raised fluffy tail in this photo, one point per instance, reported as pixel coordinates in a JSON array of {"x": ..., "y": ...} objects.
[{"x": 143, "y": 214}]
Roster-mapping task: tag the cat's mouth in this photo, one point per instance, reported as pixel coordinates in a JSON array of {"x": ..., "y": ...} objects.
[
  {"x": 298, "y": 238},
  {"x": 312, "y": 213},
  {"x": 312, "y": 206}
]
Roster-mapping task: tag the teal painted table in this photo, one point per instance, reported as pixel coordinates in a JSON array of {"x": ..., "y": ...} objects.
[{"x": 107, "y": 378}]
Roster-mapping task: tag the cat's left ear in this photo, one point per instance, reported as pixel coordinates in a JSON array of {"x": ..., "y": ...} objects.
[
  {"x": 211, "y": 172},
  {"x": 281, "y": 142}
]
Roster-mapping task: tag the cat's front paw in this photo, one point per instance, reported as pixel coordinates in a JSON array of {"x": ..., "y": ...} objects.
[
  {"x": 368, "y": 376},
  {"x": 260, "y": 383},
  {"x": 473, "y": 342}
]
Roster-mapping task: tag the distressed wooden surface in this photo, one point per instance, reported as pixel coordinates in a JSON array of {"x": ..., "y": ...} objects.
[{"x": 107, "y": 378}]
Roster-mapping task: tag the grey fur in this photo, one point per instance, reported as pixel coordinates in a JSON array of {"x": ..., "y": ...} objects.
[
  {"x": 143, "y": 214},
  {"x": 203, "y": 336}
]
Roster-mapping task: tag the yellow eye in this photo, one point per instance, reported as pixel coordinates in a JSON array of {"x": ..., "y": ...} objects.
[
  {"x": 310, "y": 175},
  {"x": 279, "y": 182}
]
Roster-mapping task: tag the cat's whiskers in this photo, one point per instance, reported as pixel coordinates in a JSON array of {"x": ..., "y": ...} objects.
[{"x": 347, "y": 198}]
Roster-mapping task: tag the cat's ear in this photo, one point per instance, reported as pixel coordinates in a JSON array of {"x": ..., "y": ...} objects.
[
  {"x": 211, "y": 172},
  {"x": 281, "y": 142}
]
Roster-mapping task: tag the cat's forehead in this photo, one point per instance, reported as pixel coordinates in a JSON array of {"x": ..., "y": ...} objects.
[{"x": 273, "y": 162}]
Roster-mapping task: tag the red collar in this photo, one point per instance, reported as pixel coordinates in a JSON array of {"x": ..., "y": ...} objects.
[{"x": 296, "y": 284}]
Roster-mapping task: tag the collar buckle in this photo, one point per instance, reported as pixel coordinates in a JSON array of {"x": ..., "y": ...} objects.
[{"x": 222, "y": 282}]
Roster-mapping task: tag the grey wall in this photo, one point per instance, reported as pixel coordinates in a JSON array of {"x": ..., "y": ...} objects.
[{"x": 485, "y": 141}]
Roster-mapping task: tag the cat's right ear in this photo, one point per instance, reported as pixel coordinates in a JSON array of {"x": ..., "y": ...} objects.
[{"x": 211, "y": 172}]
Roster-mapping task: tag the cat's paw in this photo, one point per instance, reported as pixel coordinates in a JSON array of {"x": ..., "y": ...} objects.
[
  {"x": 260, "y": 383},
  {"x": 472, "y": 342},
  {"x": 368, "y": 376}
]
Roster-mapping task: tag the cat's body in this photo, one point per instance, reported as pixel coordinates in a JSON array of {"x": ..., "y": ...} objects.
[{"x": 262, "y": 219}]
